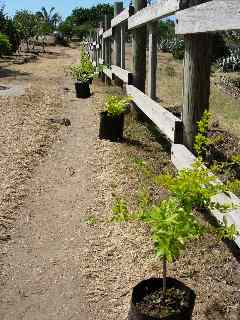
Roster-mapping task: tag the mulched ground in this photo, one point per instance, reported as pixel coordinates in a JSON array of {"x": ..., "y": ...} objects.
[
  {"x": 207, "y": 265},
  {"x": 115, "y": 256},
  {"x": 26, "y": 133}
]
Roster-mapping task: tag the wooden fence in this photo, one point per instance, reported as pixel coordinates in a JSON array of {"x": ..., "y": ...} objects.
[{"x": 195, "y": 20}]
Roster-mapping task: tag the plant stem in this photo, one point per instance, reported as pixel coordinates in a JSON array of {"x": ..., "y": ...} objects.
[{"x": 164, "y": 275}]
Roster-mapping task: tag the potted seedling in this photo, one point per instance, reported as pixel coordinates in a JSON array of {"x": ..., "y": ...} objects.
[
  {"x": 173, "y": 224},
  {"x": 87, "y": 64},
  {"x": 166, "y": 298},
  {"x": 112, "y": 119},
  {"x": 83, "y": 74}
]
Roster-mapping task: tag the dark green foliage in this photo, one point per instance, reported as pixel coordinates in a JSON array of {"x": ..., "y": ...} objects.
[
  {"x": 27, "y": 24},
  {"x": 166, "y": 29},
  {"x": 83, "y": 30},
  {"x": 4, "y": 44},
  {"x": 219, "y": 47},
  {"x": 91, "y": 15},
  {"x": 50, "y": 18},
  {"x": 8, "y": 27},
  {"x": 84, "y": 21},
  {"x": 67, "y": 28}
]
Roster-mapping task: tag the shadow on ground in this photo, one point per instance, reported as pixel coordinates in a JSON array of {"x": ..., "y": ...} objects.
[{"x": 5, "y": 72}]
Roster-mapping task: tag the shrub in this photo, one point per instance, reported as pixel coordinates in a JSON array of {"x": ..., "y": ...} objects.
[
  {"x": 84, "y": 71},
  {"x": 4, "y": 44},
  {"x": 173, "y": 222},
  {"x": 115, "y": 105}
]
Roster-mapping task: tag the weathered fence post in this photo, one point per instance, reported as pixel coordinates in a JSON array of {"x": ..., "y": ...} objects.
[
  {"x": 123, "y": 40},
  {"x": 118, "y": 7},
  {"x": 97, "y": 48},
  {"x": 100, "y": 41},
  {"x": 152, "y": 59},
  {"x": 108, "y": 47},
  {"x": 197, "y": 65},
  {"x": 139, "y": 50}
]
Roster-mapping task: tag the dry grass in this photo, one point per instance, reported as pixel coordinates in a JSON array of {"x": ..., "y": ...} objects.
[
  {"x": 207, "y": 266},
  {"x": 26, "y": 133}
]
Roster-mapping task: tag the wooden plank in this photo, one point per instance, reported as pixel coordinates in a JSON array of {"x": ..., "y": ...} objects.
[
  {"x": 118, "y": 8},
  {"x": 120, "y": 18},
  {"x": 108, "y": 50},
  {"x": 159, "y": 10},
  {"x": 123, "y": 41},
  {"x": 215, "y": 15},
  {"x": 162, "y": 118},
  {"x": 108, "y": 73},
  {"x": 122, "y": 74},
  {"x": 152, "y": 59},
  {"x": 107, "y": 33},
  {"x": 197, "y": 65},
  {"x": 182, "y": 158},
  {"x": 139, "y": 48}
]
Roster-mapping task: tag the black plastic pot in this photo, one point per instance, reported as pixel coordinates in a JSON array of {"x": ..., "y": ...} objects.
[
  {"x": 82, "y": 90},
  {"x": 111, "y": 128},
  {"x": 150, "y": 285}
]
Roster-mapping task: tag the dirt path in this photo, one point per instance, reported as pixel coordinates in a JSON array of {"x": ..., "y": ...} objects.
[{"x": 46, "y": 248}]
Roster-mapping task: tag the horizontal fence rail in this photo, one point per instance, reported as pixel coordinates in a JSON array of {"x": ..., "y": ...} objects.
[
  {"x": 108, "y": 73},
  {"x": 107, "y": 33},
  {"x": 182, "y": 158},
  {"x": 167, "y": 123},
  {"x": 151, "y": 13},
  {"x": 121, "y": 17},
  {"x": 122, "y": 74},
  {"x": 216, "y": 15},
  {"x": 193, "y": 17}
]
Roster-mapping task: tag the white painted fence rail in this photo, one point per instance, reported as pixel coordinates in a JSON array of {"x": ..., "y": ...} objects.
[
  {"x": 120, "y": 18},
  {"x": 182, "y": 158},
  {"x": 108, "y": 73},
  {"x": 122, "y": 74},
  {"x": 164, "y": 120},
  {"x": 107, "y": 33},
  {"x": 159, "y": 10},
  {"x": 216, "y": 15}
]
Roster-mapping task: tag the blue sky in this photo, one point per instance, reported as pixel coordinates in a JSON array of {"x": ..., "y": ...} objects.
[{"x": 63, "y": 7}]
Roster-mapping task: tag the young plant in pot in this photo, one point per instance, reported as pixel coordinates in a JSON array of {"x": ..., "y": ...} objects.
[
  {"x": 87, "y": 65},
  {"x": 112, "y": 119},
  {"x": 166, "y": 298},
  {"x": 83, "y": 74},
  {"x": 81, "y": 78},
  {"x": 173, "y": 223}
]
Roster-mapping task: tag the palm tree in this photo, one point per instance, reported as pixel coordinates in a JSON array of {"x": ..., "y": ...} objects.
[{"x": 50, "y": 17}]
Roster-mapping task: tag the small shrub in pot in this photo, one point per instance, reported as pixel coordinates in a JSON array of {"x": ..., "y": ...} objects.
[
  {"x": 83, "y": 74},
  {"x": 173, "y": 223},
  {"x": 112, "y": 120}
]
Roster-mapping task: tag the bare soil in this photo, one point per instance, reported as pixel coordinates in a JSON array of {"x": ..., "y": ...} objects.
[{"x": 61, "y": 256}]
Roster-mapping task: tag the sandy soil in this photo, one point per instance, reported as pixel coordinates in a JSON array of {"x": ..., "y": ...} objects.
[{"x": 65, "y": 259}]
